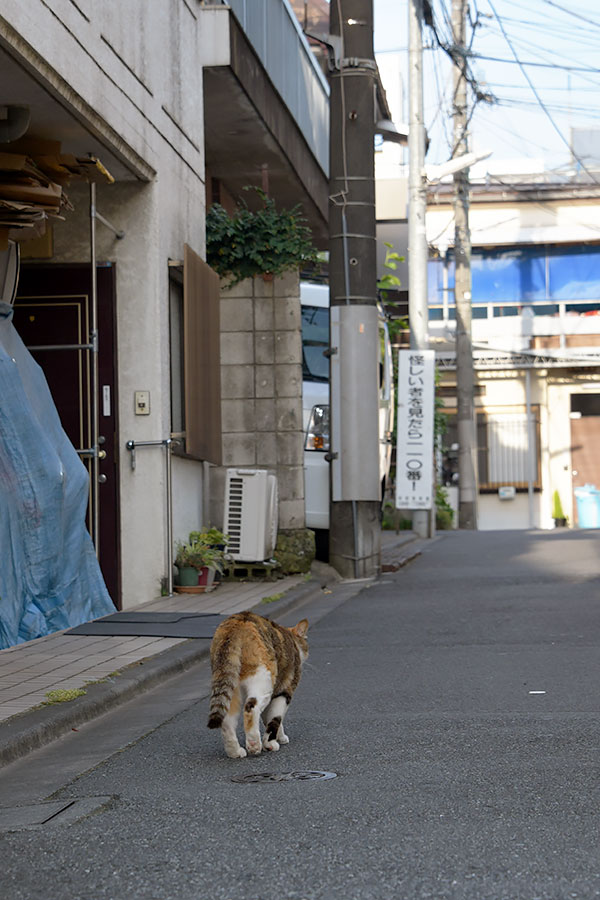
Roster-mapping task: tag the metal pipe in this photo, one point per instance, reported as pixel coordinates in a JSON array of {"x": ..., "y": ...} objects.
[
  {"x": 60, "y": 347},
  {"x": 169, "y": 518},
  {"x": 530, "y": 446},
  {"x": 116, "y": 231},
  {"x": 95, "y": 486},
  {"x": 131, "y": 444},
  {"x": 205, "y": 492}
]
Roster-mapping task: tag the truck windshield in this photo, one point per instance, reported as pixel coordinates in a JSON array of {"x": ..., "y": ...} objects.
[{"x": 315, "y": 339}]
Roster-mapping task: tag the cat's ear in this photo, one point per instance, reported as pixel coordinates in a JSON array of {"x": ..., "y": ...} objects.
[{"x": 301, "y": 628}]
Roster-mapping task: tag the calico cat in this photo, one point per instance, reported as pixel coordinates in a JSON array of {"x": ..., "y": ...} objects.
[{"x": 256, "y": 664}]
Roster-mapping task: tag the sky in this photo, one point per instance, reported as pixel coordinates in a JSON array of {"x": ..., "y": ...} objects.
[{"x": 539, "y": 59}]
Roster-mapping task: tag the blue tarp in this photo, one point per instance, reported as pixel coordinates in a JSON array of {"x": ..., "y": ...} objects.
[{"x": 49, "y": 575}]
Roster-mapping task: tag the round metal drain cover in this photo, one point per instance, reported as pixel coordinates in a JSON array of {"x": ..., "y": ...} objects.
[{"x": 269, "y": 777}]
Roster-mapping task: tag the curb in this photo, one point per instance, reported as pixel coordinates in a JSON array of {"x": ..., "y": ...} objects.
[
  {"x": 28, "y": 731},
  {"x": 400, "y": 562}
]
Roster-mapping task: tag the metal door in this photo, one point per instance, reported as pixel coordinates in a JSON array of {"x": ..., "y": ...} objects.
[{"x": 53, "y": 311}]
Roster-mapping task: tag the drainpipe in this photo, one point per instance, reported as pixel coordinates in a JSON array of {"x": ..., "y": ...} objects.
[
  {"x": 530, "y": 446},
  {"x": 95, "y": 459}
]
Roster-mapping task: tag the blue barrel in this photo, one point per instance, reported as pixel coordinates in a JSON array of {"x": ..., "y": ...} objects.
[{"x": 588, "y": 506}]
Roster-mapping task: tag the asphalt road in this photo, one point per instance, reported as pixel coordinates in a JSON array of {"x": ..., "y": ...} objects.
[{"x": 457, "y": 702}]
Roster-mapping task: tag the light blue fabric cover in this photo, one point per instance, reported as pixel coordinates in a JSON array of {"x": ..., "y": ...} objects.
[{"x": 49, "y": 575}]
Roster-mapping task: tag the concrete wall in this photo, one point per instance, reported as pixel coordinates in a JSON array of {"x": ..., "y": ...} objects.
[
  {"x": 122, "y": 68},
  {"x": 261, "y": 377}
]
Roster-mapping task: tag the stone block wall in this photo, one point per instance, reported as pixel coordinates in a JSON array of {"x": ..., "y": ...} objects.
[{"x": 261, "y": 390}]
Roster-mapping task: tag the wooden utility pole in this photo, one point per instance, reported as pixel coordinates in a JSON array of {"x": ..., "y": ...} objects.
[
  {"x": 355, "y": 531},
  {"x": 467, "y": 432}
]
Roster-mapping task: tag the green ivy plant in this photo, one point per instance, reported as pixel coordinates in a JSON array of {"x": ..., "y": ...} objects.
[
  {"x": 265, "y": 241},
  {"x": 387, "y": 282}
]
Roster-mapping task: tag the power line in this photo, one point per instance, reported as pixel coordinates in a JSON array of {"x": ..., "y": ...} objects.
[
  {"x": 534, "y": 49},
  {"x": 559, "y": 88},
  {"x": 571, "y": 12},
  {"x": 520, "y": 63},
  {"x": 555, "y": 107},
  {"x": 537, "y": 96},
  {"x": 552, "y": 28}
]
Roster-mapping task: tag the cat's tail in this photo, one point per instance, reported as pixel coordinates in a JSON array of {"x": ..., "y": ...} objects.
[{"x": 226, "y": 661}]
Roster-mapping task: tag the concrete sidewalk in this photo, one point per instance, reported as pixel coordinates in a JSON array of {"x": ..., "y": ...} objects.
[{"x": 112, "y": 670}]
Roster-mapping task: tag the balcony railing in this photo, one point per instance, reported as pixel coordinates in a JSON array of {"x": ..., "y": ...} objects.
[{"x": 277, "y": 38}]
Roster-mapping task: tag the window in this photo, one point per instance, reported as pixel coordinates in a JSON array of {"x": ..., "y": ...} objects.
[
  {"x": 509, "y": 274},
  {"x": 176, "y": 343},
  {"x": 502, "y": 448},
  {"x": 574, "y": 273},
  {"x": 315, "y": 339},
  {"x": 523, "y": 274}
]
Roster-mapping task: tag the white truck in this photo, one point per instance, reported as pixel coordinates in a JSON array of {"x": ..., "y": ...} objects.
[{"x": 315, "y": 406}]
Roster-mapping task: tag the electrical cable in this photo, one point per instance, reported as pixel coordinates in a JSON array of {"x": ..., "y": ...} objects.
[
  {"x": 537, "y": 96},
  {"x": 571, "y": 12},
  {"x": 535, "y": 51},
  {"x": 529, "y": 63}
]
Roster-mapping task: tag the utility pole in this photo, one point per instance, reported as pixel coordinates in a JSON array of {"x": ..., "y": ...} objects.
[
  {"x": 467, "y": 432},
  {"x": 355, "y": 530},
  {"x": 417, "y": 207}
]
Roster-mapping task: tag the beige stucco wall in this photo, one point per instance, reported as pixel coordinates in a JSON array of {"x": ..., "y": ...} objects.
[
  {"x": 123, "y": 70},
  {"x": 552, "y": 390}
]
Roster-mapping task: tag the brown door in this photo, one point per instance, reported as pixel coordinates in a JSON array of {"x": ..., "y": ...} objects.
[
  {"x": 53, "y": 307},
  {"x": 585, "y": 441}
]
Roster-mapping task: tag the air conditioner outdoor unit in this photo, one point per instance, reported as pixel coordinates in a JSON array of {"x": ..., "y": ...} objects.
[{"x": 251, "y": 514}]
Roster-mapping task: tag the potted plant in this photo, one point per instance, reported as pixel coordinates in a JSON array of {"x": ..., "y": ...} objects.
[
  {"x": 187, "y": 572},
  {"x": 264, "y": 242},
  {"x": 197, "y": 562},
  {"x": 210, "y": 536},
  {"x": 560, "y": 520},
  {"x": 215, "y": 539}
]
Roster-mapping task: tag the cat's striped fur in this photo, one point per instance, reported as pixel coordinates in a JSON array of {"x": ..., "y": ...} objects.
[{"x": 256, "y": 666}]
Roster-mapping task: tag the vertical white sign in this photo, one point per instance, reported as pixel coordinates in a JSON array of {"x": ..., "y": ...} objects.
[{"x": 414, "y": 445}]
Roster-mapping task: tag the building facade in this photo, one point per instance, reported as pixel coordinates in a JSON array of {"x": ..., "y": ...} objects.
[
  {"x": 184, "y": 103},
  {"x": 535, "y": 268}
]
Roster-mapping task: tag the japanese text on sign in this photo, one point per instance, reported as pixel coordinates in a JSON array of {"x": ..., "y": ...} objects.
[{"x": 414, "y": 449}]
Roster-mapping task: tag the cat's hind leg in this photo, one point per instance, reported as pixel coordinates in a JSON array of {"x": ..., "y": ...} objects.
[
  {"x": 258, "y": 689},
  {"x": 229, "y": 728},
  {"x": 273, "y": 719}
]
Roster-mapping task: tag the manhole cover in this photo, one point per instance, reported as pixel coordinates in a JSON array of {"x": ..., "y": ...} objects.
[{"x": 268, "y": 777}]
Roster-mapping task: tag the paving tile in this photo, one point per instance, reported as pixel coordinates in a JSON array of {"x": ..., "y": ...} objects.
[{"x": 13, "y": 693}]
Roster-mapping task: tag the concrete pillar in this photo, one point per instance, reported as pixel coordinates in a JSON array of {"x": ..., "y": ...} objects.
[{"x": 261, "y": 384}]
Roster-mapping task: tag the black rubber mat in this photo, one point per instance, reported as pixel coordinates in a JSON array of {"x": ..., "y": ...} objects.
[{"x": 152, "y": 624}]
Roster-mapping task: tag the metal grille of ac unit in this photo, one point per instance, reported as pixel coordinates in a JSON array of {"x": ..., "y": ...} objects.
[
  {"x": 251, "y": 513},
  {"x": 233, "y": 525}
]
